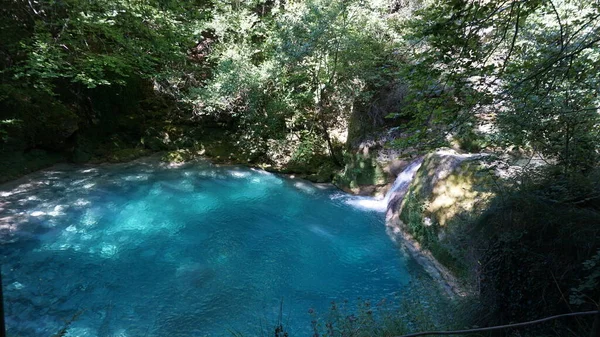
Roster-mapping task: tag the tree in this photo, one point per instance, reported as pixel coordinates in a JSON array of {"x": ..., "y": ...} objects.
[
  {"x": 529, "y": 66},
  {"x": 294, "y": 71},
  {"x": 72, "y": 66},
  {"x": 330, "y": 48}
]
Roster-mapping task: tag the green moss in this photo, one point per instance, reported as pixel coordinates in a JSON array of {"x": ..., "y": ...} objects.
[
  {"x": 360, "y": 170},
  {"x": 442, "y": 204},
  {"x": 181, "y": 156},
  {"x": 127, "y": 154},
  {"x": 427, "y": 235},
  {"x": 325, "y": 173},
  {"x": 221, "y": 150},
  {"x": 412, "y": 217}
]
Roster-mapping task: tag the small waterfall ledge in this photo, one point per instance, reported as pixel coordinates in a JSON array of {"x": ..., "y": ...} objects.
[{"x": 395, "y": 229}]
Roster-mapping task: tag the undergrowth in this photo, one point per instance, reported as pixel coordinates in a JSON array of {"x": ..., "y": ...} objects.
[{"x": 421, "y": 306}]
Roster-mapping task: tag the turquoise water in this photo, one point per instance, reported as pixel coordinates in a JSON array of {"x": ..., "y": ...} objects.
[{"x": 141, "y": 249}]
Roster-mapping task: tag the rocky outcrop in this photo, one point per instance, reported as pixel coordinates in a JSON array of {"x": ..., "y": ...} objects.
[
  {"x": 433, "y": 218},
  {"x": 362, "y": 175}
]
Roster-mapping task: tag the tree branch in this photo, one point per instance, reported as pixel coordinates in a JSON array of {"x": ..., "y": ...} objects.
[{"x": 500, "y": 327}]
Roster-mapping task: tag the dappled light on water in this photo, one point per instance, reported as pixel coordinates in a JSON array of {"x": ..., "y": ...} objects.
[{"x": 144, "y": 249}]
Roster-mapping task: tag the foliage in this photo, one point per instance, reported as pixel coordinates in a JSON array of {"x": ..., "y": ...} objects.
[
  {"x": 520, "y": 75},
  {"x": 589, "y": 283},
  {"x": 292, "y": 73},
  {"x": 539, "y": 242},
  {"x": 281, "y": 83},
  {"x": 102, "y": 42},
  {"x": 426, "y": 309},
  {"x": 78, "y": 74},
  {"x": 528, "y": 68},
  {"x": 555, "y": 102}
]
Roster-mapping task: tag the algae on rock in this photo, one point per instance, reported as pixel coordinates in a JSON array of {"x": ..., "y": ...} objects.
[
  {"x": 448, "y": 192},
  {"x": 361, "y": 175}
]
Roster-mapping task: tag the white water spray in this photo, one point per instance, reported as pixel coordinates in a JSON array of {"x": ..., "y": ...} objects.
[
  {"x": 393, "y": 196},
  {"x": 403, "y": 180}
]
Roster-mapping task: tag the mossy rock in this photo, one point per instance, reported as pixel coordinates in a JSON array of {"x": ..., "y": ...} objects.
[
  {"x": 182, "y": 156},
  {"x": 155, "y": 143},
  {"x": 167, "y": 136},
  {"x": 359, "y": 171},
  {"x": 325, "y": 174},
  {"x": 449, "y": 192},
  {"x": 81, "y": 155},
  {"x": 127, "y": 154}
]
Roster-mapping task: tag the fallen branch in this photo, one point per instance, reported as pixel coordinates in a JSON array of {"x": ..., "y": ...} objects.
[{"x": 499, "y": 327}]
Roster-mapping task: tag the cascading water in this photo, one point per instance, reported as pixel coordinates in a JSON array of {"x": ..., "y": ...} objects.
[
  {"x": 400, "y": 186},
  {"x": 404, "y": 178},
  {"x": 392, "y": 197}
]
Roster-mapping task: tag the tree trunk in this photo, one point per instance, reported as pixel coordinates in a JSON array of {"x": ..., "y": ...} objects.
[
  {"x": 329, "y": 144},
  {"x": 323, "y": 125},
  {"x": 2, "y": 325}
]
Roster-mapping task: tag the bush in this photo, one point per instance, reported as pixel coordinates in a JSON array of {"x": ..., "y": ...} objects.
[
  {"x": 534, "y": 240},
  {"x": 420, "y": 307}
]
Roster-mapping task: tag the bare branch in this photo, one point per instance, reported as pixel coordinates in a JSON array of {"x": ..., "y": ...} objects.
[{"x": 500, "y": 327}]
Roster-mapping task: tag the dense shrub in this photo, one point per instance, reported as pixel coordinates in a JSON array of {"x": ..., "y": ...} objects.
[{"x": 535, "y": 241}]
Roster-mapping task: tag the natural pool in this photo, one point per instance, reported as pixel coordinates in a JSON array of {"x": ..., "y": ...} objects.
[{"x": 142, "y": 249}]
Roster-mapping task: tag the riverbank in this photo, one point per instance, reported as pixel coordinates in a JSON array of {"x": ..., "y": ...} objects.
[
  {"x": 444, "y": 277},
  {"x": 404, "y": 185}
]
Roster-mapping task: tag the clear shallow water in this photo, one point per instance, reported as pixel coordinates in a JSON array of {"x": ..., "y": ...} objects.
[{"x": 143, "y": 250}]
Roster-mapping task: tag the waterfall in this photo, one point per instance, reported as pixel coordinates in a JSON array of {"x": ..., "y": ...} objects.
[
  {"x": 392, "y": 197},
  {"x": 400, "y": 186}
]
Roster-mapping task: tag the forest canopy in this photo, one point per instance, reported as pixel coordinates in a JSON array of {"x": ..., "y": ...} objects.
[{"x": 294, "y": 72}]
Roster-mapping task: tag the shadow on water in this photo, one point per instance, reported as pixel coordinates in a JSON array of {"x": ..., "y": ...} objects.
[{"x": 144, "y": 250}]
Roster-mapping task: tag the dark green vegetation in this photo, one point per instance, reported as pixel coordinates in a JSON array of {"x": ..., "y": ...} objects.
[{"x": 278, "y": 84}]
